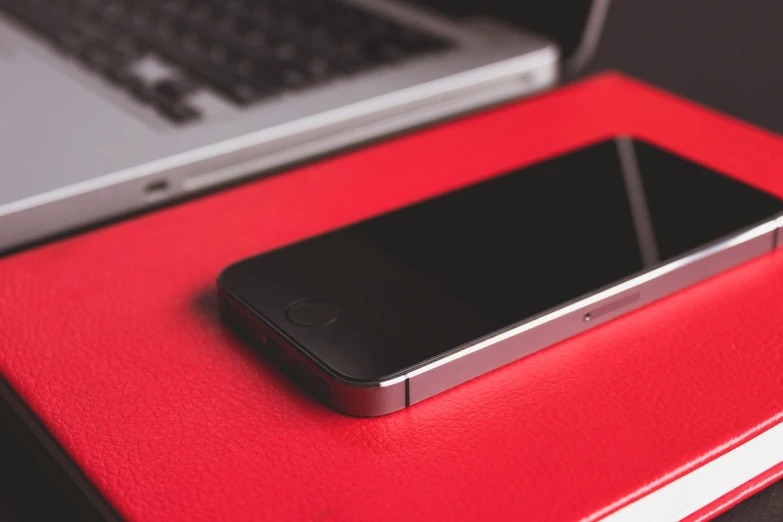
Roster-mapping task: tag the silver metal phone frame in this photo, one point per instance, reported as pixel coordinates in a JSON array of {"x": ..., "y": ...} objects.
[{"x": 380, "y": 398}]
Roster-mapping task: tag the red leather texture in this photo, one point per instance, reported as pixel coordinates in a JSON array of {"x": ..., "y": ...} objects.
[{"x": 113, "y": 339}]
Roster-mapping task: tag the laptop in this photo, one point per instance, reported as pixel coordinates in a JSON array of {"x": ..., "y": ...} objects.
[{"x": 111, "y": 106}]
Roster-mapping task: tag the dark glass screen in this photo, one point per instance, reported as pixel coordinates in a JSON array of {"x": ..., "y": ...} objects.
[{"x": 426, "y": 279}]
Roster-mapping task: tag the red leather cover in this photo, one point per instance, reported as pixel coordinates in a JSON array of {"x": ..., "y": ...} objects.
[{"x": 113, "y": 339}]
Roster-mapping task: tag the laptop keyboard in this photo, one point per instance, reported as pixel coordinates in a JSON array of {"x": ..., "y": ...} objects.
[{"x": 163, "y": 52}]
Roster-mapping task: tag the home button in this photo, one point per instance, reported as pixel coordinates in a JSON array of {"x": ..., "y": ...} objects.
[{"x": 312, "y": 312}]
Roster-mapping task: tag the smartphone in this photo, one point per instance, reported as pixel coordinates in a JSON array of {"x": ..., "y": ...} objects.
[{"x": 390, "y": 311}]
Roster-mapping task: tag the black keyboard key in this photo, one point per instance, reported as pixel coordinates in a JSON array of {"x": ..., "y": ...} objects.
[
  {"x": 115, "y": 11},
  {"x": 244, "y": 93},
  {"x": 218, "y": 54},
  {"x": 223, "y": 79},
  {"x": 92, "y": 5},
  {"x": 173, "y": 90},
  {"x": 72, "y": 43},
  {"x": 121, "y": 77},
  {"x": 178, "y": 112},
  {"x": 139, "y": 89},
  {"x": 133, "y": 85},
  {"x": 201, "y": 14},
  {"x": 319, "y": 68},
  {"x": 173, "y": 7},
  {"x": 294, "y": 79},
  {"x": 127, "y": 46},
  {"x": 101, "y": 58}
]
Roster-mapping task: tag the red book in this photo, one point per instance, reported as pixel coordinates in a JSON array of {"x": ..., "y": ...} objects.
[{"x": 112, "y": 339}]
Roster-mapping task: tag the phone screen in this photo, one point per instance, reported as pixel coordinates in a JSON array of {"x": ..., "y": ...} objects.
[{"x": 414, "y": 284}]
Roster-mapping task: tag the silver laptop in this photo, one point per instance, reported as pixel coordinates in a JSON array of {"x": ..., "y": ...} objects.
[{"x": 110, "y": 106}]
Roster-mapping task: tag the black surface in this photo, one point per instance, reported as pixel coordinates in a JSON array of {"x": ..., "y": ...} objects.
[
  {"x": 765, "y": 506},
  {"x": 415, "y": 284},
  {"x": 723, "y": 53},
  {"x": 539, "y": 16},
  {"x": 33, "y": 486}
]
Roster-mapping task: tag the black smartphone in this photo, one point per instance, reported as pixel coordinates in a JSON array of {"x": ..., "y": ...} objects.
[{"x": 387, "y": 312}]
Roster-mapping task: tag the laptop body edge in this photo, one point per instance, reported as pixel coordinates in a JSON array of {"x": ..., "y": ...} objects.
[{"x": 96, "y": 200}]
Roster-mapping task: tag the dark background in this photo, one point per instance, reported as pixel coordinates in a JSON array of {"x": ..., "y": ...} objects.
[{"x": 722, "y": 53}]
